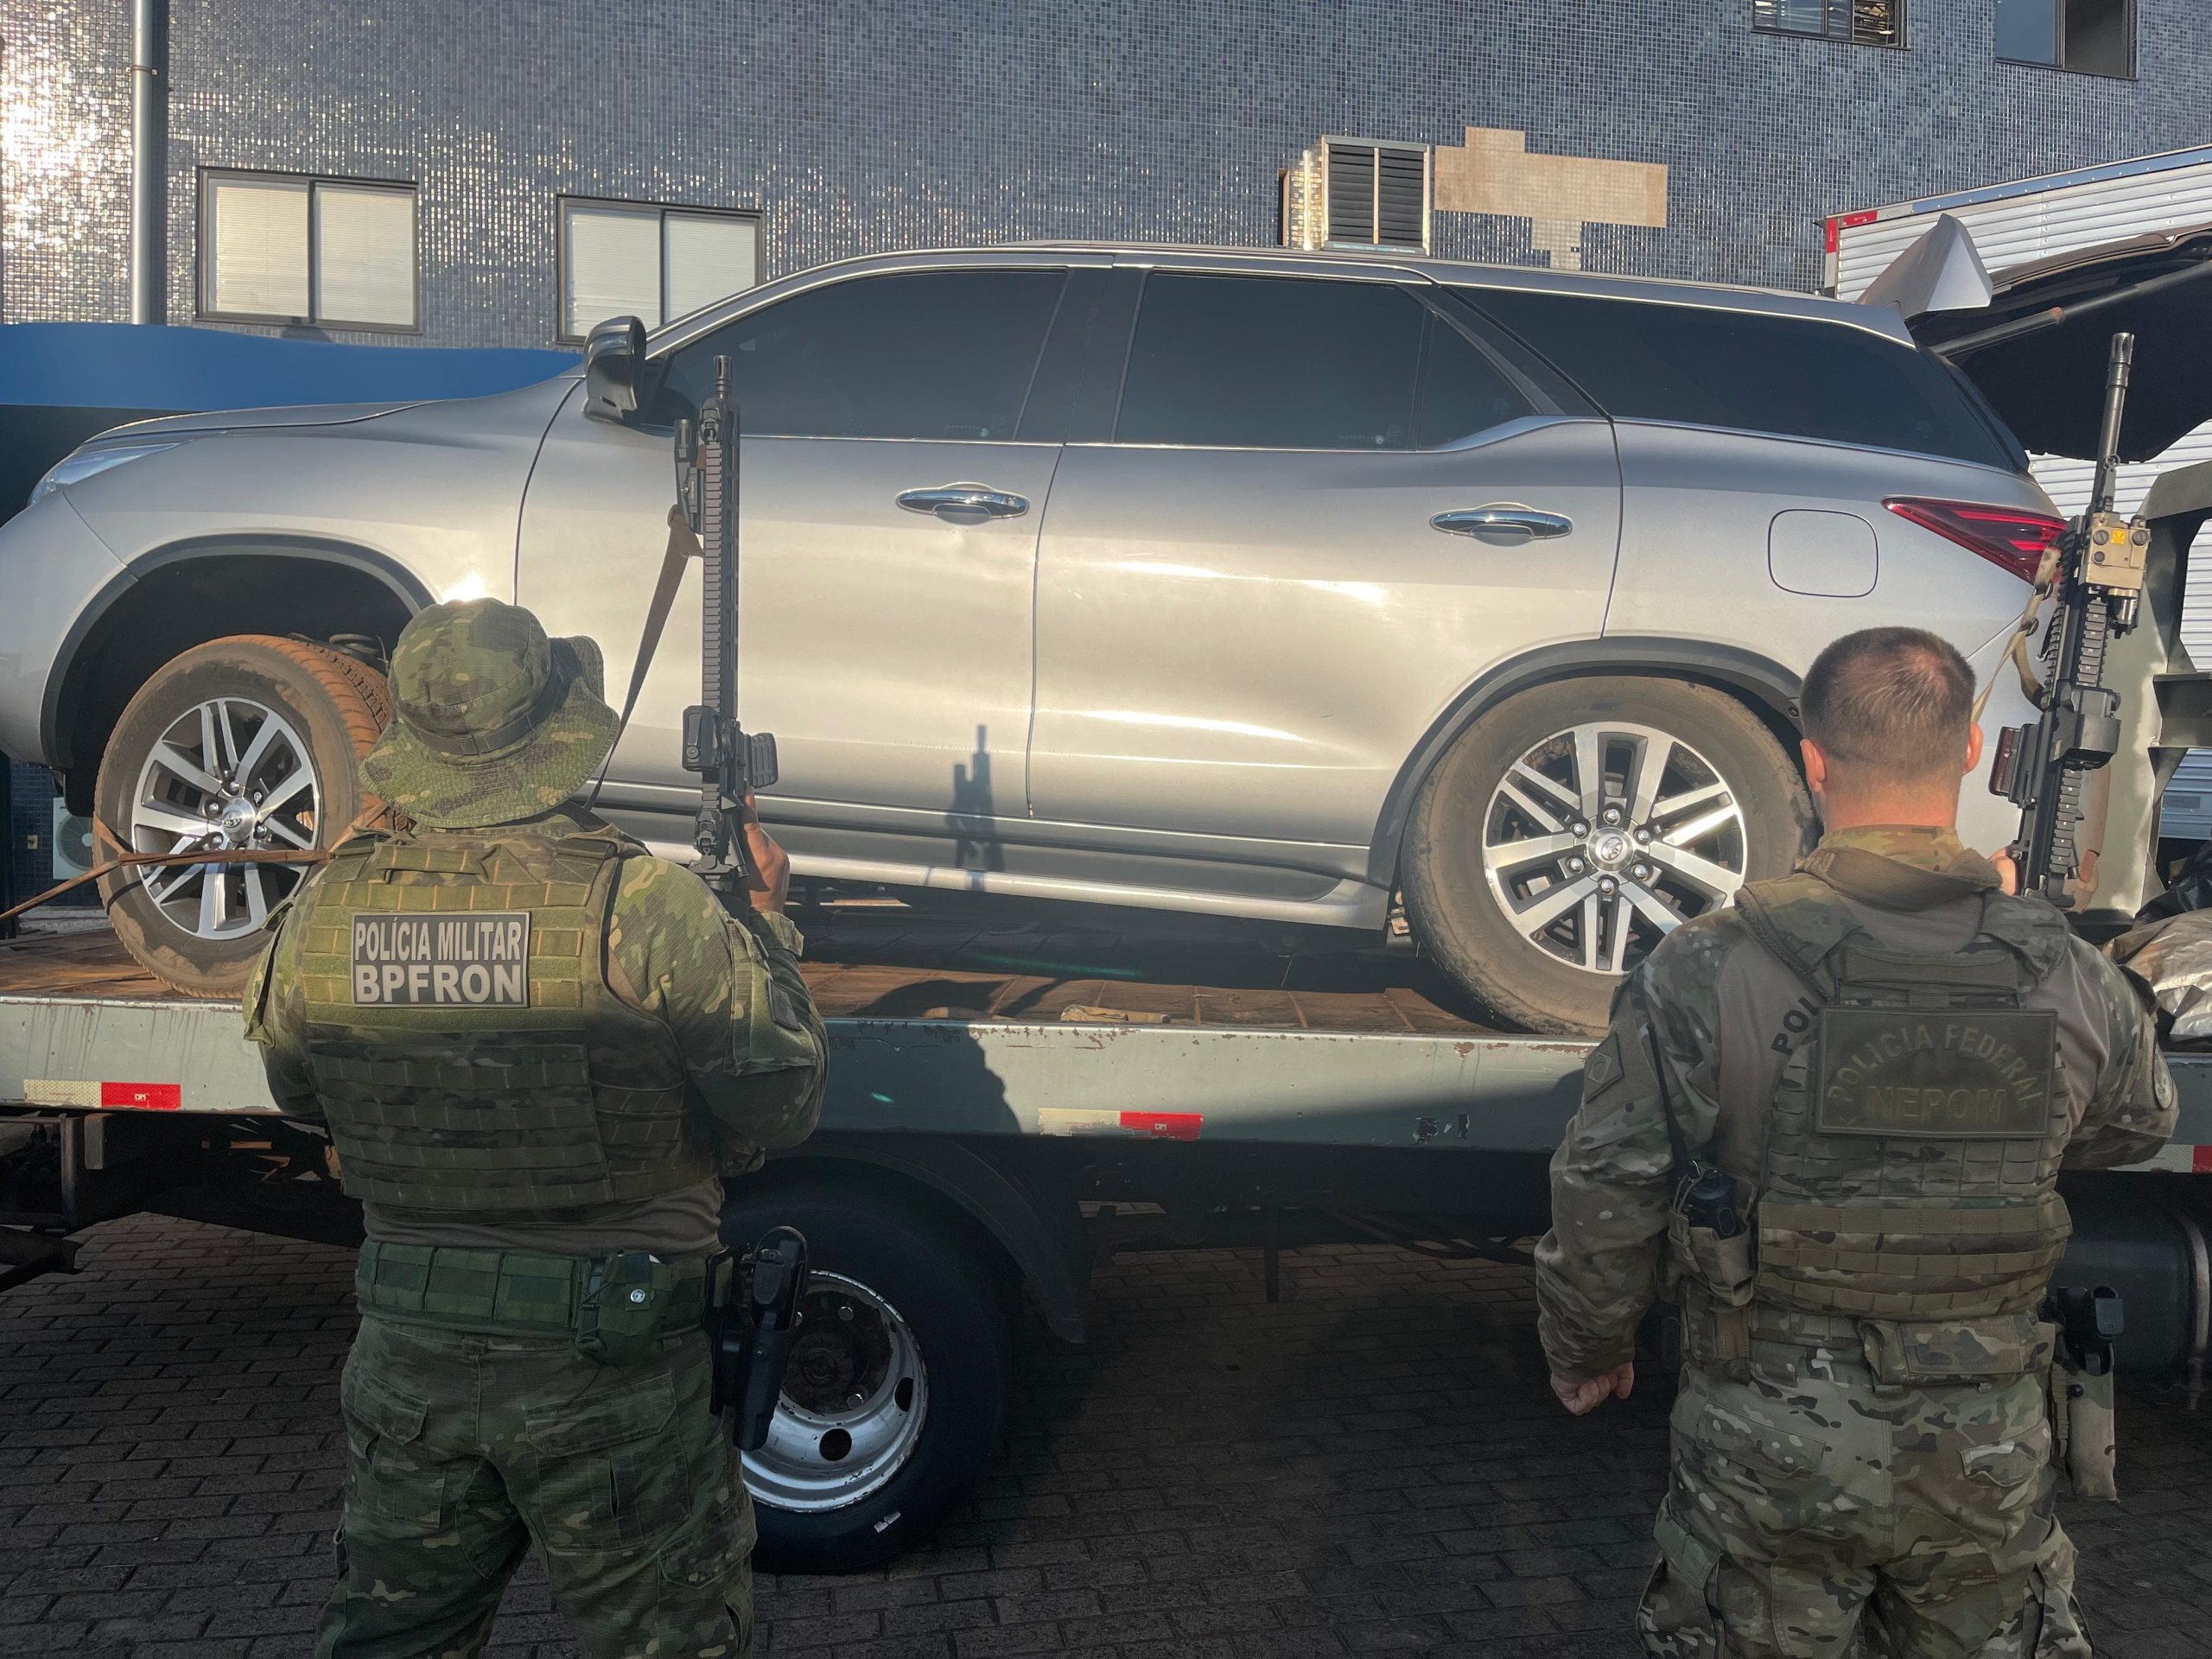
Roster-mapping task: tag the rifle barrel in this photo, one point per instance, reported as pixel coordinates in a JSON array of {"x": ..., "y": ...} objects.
[{"x": 2118, "y": 372}]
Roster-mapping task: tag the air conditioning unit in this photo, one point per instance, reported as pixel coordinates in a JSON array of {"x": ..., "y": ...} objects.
[
  {"x": 1365, "y": 193},
  {"x": 72, "y": 845}
]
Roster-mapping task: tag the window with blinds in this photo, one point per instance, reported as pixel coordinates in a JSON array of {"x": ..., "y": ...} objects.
[
  {"x": 1863, "y": 23},
  {"x": 640, "y": 259},
  {"x": 1374, "y": 194},
  {"x": 283, "y": 248}
]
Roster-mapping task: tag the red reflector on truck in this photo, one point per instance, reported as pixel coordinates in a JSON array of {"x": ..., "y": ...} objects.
[
  {"x": 142, "y": 1097},
  {"x": 2012, "y": 540},
  {"x": 1107, "y": 1120},
  {"x": 1164, "y": 1125},
  {"x": 86, "y": 1095}
]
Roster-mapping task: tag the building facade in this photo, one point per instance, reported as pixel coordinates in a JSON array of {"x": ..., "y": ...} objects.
[{"x": 493, "y": 174}]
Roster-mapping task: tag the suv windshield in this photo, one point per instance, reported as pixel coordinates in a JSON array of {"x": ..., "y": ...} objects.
[{"x": 1792, "y": 376}]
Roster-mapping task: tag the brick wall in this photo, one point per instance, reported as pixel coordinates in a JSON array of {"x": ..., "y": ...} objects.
[{"x": 853, "y": 127}]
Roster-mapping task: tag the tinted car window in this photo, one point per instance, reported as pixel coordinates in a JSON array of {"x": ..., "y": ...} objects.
[
  {"x": 920, "y": 355},
  {"x": 1785, "y": 375},
  {"x": 1272, "y": 362},
  {"x": 1462, "y": 391}
]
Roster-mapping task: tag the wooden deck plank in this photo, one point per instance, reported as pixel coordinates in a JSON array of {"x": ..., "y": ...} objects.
[{"x": 875, "y": 962}]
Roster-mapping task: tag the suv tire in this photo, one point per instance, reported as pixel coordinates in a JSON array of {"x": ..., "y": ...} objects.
[
  {"x": 1545, "y": 856},
  {"x": 214, "y": 728}
]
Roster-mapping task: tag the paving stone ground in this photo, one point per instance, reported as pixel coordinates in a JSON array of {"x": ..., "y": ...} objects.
[{"x": 1373, "y": 1465}]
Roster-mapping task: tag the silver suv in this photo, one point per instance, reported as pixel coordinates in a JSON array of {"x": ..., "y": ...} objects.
[{"x": 1261, "y": 585}]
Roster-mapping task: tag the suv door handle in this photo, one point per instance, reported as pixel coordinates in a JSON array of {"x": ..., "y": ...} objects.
[
  {"x": 1504, "y": 519},
  {"x": 965, "y": 497}
]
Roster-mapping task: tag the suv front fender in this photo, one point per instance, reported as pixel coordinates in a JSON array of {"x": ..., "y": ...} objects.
[{"x": 189, "y": 592}]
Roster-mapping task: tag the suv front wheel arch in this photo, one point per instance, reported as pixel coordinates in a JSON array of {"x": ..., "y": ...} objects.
[
  {"x": 189, "y": 594},
  {"x": 1569, "y": 827}
]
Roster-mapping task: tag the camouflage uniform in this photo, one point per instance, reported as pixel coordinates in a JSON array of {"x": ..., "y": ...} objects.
[
  {"x": 1860, "y": 1441},
  {"x": 537, "y": 1049}
]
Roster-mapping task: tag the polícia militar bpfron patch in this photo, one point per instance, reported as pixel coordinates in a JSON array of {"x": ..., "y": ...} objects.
[
  {"x": 1954, "y": 1073},
  {"x": 477, "y": 961}
]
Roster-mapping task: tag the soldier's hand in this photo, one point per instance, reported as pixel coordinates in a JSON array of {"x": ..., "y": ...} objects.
[
  {"x": 768, "y": 878},
  {"x": 1585, "y": 1396},
  {"x": 2008, "y": 873}
]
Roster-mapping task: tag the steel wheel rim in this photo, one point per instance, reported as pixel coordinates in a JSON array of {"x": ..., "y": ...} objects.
[
  {"x": 229, "y": 772},
  {"x": 856, "y": 1374},
  {"x": 1602, "y": 838}
]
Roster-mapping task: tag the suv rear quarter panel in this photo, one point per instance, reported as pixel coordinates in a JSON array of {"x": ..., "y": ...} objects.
[{"x": 1698, "y": 514}]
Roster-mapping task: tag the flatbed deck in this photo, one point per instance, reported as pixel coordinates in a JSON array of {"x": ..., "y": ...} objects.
[
  {"x": 885, "y": 962},
  {"x": 1159, "y": 1031}
]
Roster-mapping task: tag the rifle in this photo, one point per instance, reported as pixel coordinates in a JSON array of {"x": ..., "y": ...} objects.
[
  {"x": 729, "y": 760},
  {"x": 2095, "y": 577}
]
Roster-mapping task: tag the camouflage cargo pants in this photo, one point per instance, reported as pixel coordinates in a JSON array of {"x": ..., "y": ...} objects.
[
  {"x": 464, "y": 1450},
  {"x": 1804, "y": 1517}
]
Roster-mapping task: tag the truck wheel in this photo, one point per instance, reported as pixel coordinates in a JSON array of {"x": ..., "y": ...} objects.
[
  {"x": 896, "y": 1384},
  {"x": 249, "y": 741},
  {"x": 1572, "y": 828}
]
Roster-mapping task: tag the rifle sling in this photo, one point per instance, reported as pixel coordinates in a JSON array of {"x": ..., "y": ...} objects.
[
  {"x": 2016, "y": 651},
  {"x": 682, "y": 547},
  {"x": 1676, "y": 1142}
]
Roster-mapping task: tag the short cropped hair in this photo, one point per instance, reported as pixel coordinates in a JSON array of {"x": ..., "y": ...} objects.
[{"x": 1897, "y": 701}]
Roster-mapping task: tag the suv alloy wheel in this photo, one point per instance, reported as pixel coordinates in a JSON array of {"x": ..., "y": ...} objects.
[
  {"x": 1572, "y": 828},
  {"x": 251, "y": 742}
]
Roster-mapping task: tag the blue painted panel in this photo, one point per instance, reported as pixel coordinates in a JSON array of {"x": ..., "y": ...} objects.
[{"x": 116, "y": 365}]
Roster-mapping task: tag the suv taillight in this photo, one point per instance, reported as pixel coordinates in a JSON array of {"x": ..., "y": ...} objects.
[{"x": 2004, "y": 536}]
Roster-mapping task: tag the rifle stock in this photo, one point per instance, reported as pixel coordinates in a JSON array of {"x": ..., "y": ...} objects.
[{"x": 2096, "y": 589}]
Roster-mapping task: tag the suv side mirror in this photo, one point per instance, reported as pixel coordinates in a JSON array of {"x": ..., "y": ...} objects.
[{"x": 614, "y": 358}]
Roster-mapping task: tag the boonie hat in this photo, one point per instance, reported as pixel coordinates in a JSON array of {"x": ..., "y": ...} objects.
[{"x": 492, "y": 721}]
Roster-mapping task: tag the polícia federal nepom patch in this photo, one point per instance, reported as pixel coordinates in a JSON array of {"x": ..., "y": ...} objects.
[
  {"x": 479, "y": 960},
  {"x": 1962, "y": 1074}
]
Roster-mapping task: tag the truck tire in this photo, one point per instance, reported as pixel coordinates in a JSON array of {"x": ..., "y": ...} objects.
[
  {"x": 897, "y": 1385},
  {"x": 252, "y": 740},
  {"x": 1572, "y": 827}
]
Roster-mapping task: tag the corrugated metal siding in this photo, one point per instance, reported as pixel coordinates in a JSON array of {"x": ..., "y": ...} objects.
[
  {"x": 2187, "y": 812},
  {"x": 2011, "y": 230}
]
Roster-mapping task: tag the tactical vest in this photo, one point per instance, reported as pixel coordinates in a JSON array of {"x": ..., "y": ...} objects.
[
  {"x": 469, "y": 1055},
  {"x": 1910, "y": 1163}
]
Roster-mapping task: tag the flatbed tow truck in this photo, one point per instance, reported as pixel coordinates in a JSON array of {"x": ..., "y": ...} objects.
[
  {"x": 1005, "y": 1103},
  {"x": 1013, "y": 1092}
]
